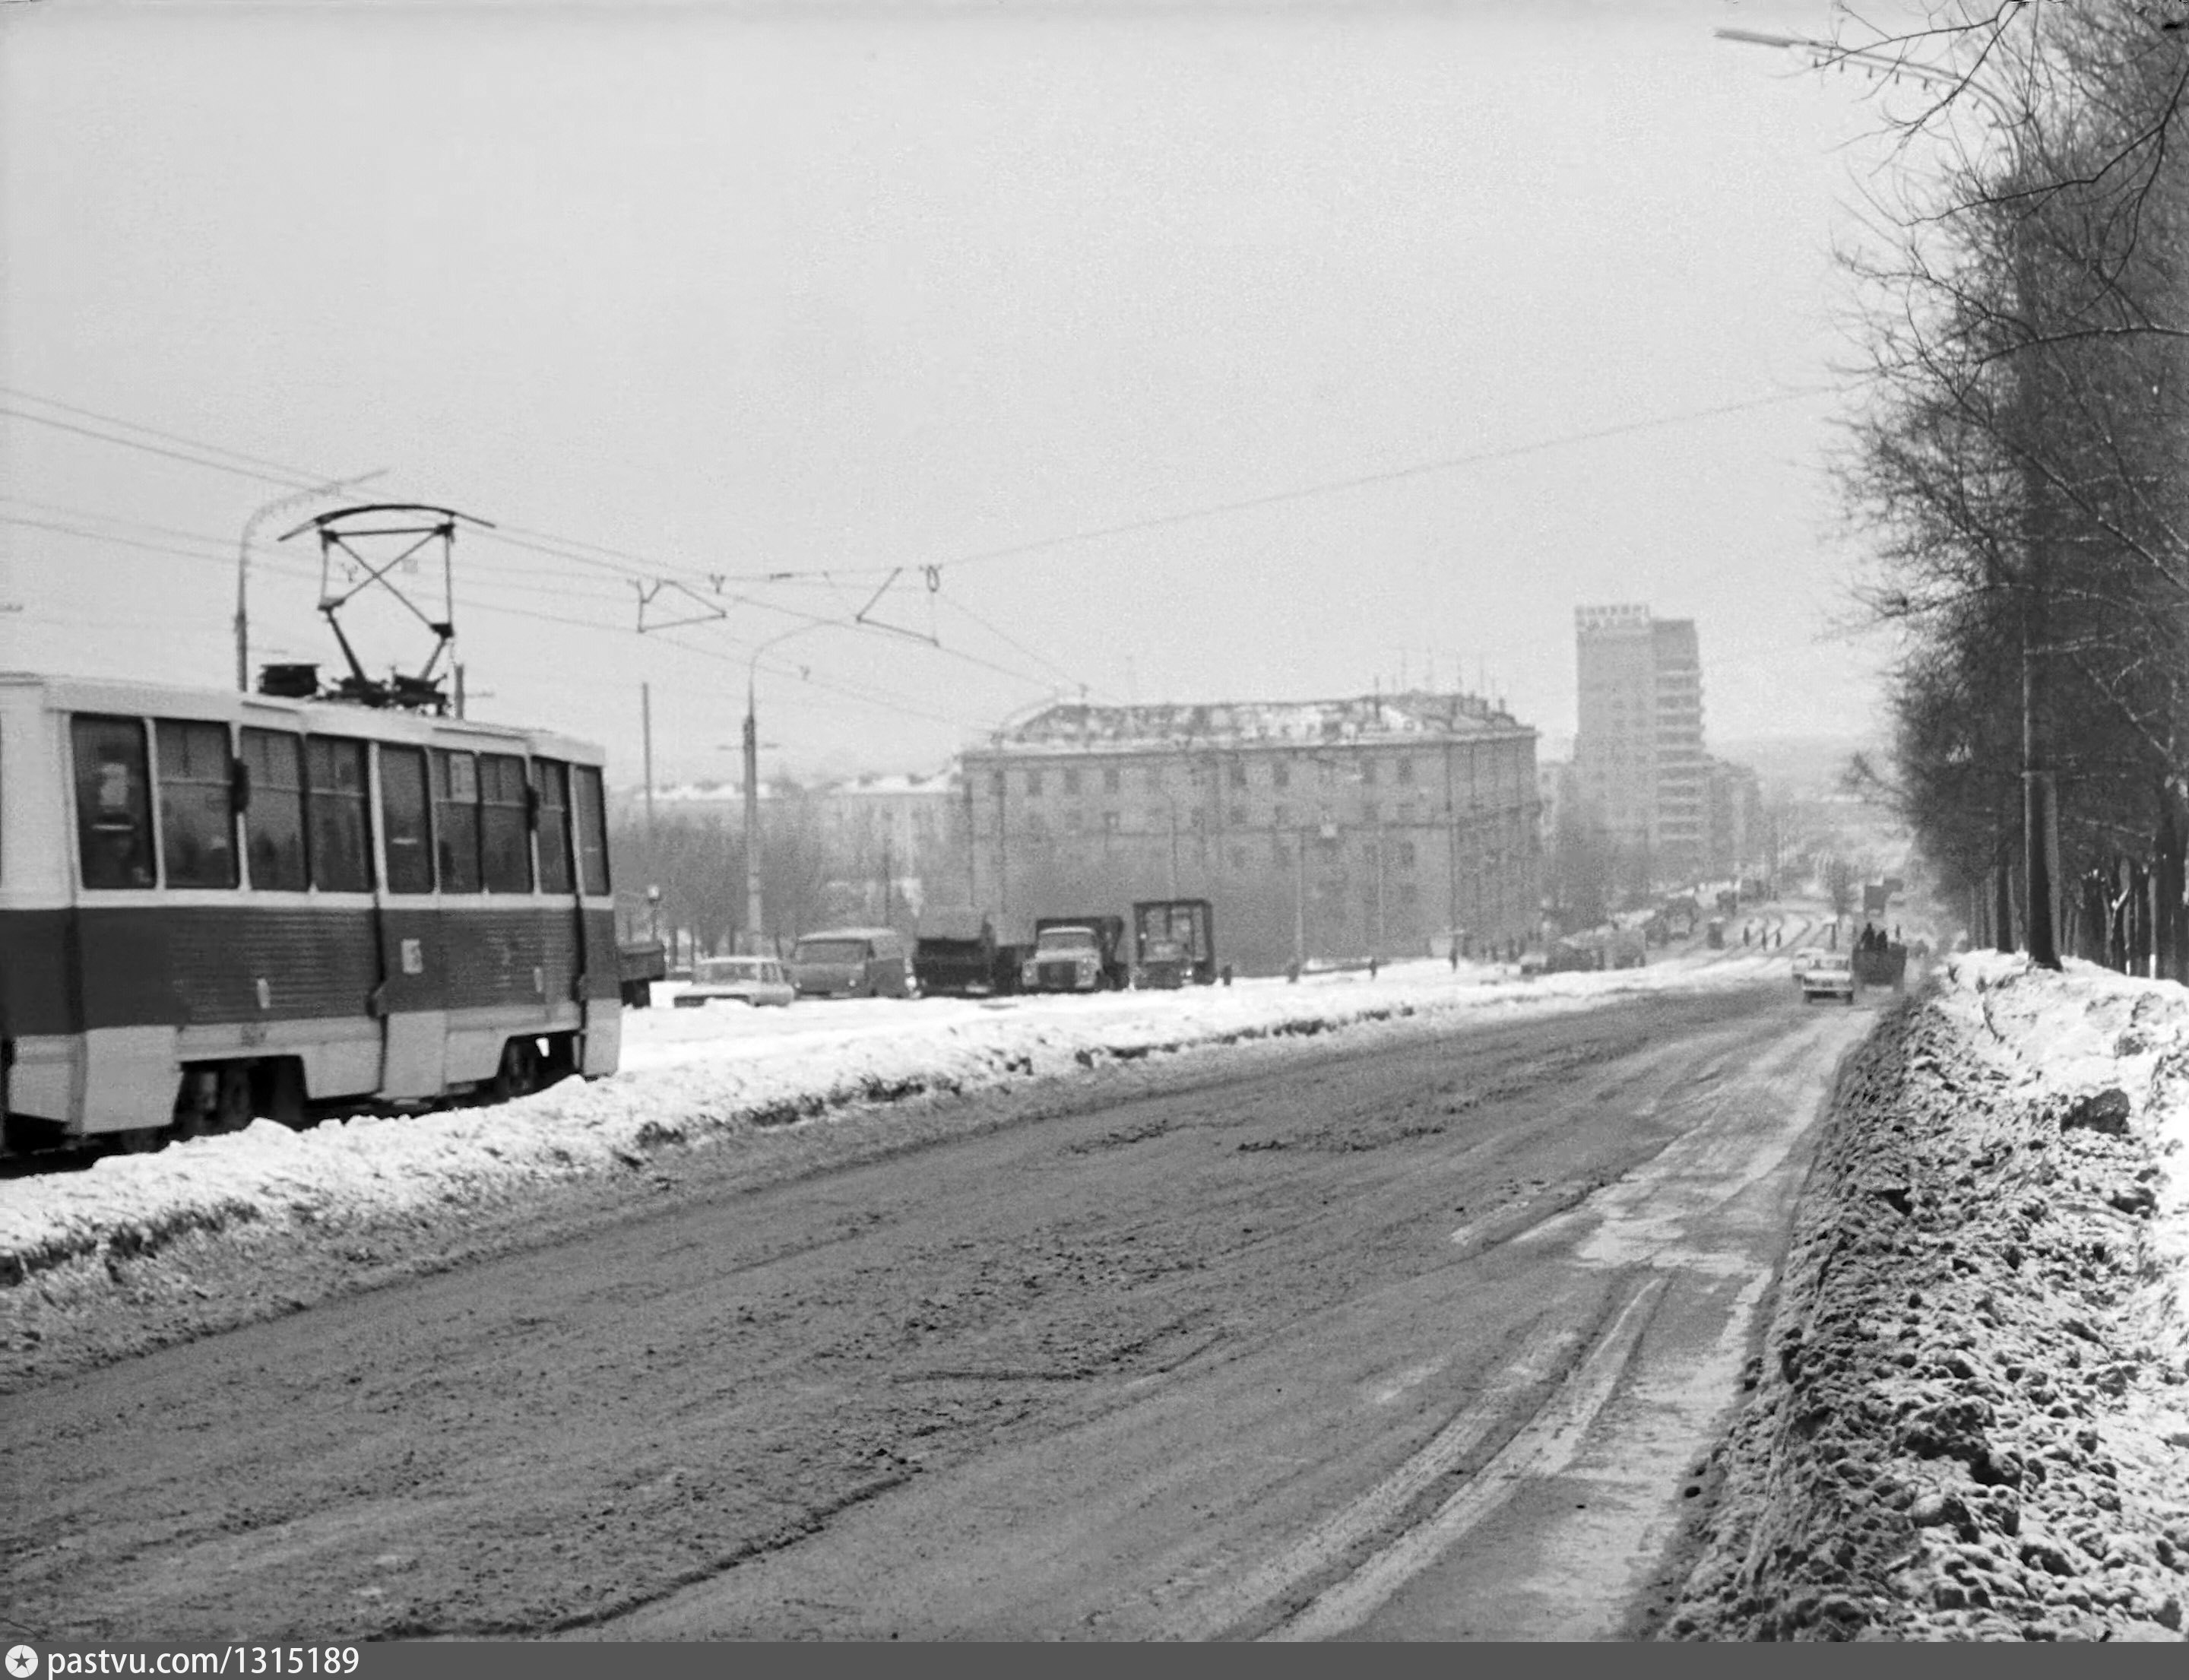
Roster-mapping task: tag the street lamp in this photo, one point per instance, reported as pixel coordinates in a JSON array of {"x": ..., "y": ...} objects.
[
  {"x": 2039, "y": 818},
  {"x": 752, "y": 908},
  {"x": 279, "y": 505}
]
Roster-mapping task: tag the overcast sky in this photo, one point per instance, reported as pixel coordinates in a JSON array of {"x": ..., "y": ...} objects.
[{"x": 1192, "y": 353}]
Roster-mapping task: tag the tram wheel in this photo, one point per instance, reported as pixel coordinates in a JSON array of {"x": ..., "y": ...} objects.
[
  {"x": 518, "y": 1076},
  {"x": 141, "y": 1140}
]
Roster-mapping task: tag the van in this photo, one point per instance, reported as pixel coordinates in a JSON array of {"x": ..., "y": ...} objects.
[{"x": 852, "y": 962}]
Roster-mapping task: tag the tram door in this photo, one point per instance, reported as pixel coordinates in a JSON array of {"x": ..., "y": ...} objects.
[
  {"x": 413, "y": 994},
  {"x": 567, "y": 958},
  {"x": 599, "y": 995}
]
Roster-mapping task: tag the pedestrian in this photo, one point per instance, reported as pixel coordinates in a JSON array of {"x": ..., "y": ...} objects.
[
  {"x": 1454, "y": 955},
  {"x": 1371, "y": 967}
]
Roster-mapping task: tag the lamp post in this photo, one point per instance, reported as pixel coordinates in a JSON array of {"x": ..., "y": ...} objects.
[
  {"x": 751, "y": 743},
  {"x": 279, "y": 505},
  {"x": 2039, "y": 810}
]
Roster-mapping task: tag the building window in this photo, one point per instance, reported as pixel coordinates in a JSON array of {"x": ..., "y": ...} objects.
[
  {"x": 1074, "y": 821},
  {"x": 1110, "y": 780},
  {"x": 995, "y": 782},
  {"x": 1367, "y": 773},
  {"x": 1280, "y": 774},
  {"x": 1409, "y": 894},
  {"x": 1237, "y": 855},
  {"x": 1405, "y": 854},
  {"x": 1033, "y": 784},
  {"x": 1109, "y": 822},
  {"x": 1282, "y": 815},
  {"x": 1072, "y": 781},
  {"x": 1238, "y": 815},
  {"x": 1370, "y": 811},
  {"x": 1035, "y": 828},
  {"x": 1239, "y": 772},
  {"x": 1405, "y": 770}
]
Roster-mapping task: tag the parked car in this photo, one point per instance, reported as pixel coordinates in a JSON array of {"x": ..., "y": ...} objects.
[
  {"x": 1802, "y": 958},
  {"x": 852, "y": 962},
  {"x": 759, "y": 982},
  {"x": 1831, "y": 974}
]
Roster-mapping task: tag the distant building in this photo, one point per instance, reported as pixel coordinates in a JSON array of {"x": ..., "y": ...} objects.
[
  {"x": 1737, "y": 843},
  {"x": 1328, "y": 828},
  {"x": 1638, "y": 758}
]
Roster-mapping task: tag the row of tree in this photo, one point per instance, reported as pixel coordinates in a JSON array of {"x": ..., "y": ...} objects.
[
  {"x": 2022, "y": 466},
  {"x": 696, "y": 861}
]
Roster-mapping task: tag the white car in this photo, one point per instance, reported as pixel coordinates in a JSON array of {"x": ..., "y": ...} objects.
[
  {"x": 1802, "y": 959},
  {"x": 759, "y": 982},
  {"x": 1831, "y": 974}
]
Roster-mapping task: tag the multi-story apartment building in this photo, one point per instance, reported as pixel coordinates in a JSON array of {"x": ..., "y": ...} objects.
[
  {"x": 1738, "y": 845},
  {"x": 1638, "y": 758},
  {"x": 1330, "y": 828}
]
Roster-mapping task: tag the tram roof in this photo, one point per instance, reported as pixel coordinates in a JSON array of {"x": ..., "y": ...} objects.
[{"x": 63, "y": 693}]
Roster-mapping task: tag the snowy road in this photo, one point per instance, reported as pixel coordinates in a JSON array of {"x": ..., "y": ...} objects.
[{"x": 1414, "y": 1337}]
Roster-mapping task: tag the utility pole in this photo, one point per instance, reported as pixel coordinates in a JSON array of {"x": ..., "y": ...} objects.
[
  {"x": 752, "y": 824},
  {"x": 1300, "y": 900},
  {"x": 646, "y": 733}
]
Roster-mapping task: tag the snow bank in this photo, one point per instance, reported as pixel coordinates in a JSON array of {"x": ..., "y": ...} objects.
[
  {"x": 1972, "y": 1415},
  {"x": 693, "y": 1074}
]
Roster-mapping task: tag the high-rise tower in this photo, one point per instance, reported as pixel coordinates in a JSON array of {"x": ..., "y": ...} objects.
[{"x": 1639, "y": 754}]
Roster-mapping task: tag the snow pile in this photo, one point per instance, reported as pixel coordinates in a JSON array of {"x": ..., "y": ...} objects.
[
  {"x": 1972, "y": 1415},
  {"x": 692, "y": 1075}
]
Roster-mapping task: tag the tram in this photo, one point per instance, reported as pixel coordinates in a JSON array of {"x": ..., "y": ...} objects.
[{"x": 218, "y": 905}]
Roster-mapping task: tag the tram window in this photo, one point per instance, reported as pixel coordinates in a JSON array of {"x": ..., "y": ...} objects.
[
  {"x": 553, "y": 781},
  {"x": 113, "y": 802},
  {"x": 456, "y": 819},
  {"x": 403, "y": 818},
  {"x": 505, "y": 842},
  {"x": 197, "y": 806},
  {"x": 342, "y": 834},
  {"x": 273, "y": 821},
  {"x": 592, "y": 831}
]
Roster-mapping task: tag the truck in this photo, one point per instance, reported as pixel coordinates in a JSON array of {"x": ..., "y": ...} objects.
[
  {"x": 639, "y": 964},
  {"x": 1076, "y": 954},
  {"x": 954, "y": 953},
  {"x": 1173, "y": 942},
  {"x": 1888, "y": 966}
]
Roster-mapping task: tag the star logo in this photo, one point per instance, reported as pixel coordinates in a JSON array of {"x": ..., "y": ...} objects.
[{"x": 22, "y": 1661}]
